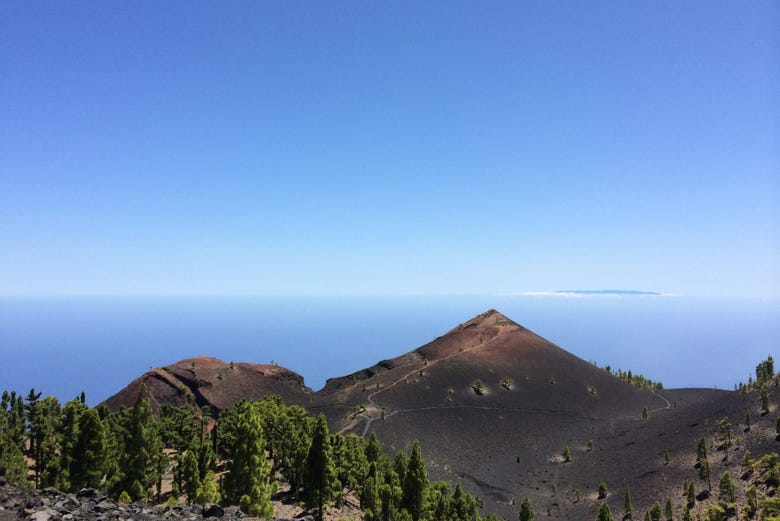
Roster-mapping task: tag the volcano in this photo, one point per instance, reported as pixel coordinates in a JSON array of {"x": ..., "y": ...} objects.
[{"x": 494, "y": 405}]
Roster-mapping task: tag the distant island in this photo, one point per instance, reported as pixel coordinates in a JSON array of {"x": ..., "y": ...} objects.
[
  {"x": 591, "y": 293},
  {"x": 607, "y": 292}
]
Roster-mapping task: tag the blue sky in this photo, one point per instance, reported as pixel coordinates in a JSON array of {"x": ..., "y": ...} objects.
[{"x": 389, "y": 147}]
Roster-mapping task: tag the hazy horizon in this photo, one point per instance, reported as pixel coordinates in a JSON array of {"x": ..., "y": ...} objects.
[{"x": 65, "y": 345}]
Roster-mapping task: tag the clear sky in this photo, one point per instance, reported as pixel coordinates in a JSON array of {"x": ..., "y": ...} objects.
[{"x": 315, "y": 147}]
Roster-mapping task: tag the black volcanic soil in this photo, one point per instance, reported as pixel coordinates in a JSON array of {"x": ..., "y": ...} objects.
[
  {"x": 503, "y": 438},
  {"x": 518, "y": 371},
  {"x": 506, "y": 443}
]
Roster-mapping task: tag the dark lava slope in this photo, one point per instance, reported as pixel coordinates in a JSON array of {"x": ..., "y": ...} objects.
[{"x": 494, "y": 405}]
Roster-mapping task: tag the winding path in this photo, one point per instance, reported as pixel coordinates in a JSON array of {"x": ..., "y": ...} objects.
[
  {"x": 668, "y": 405},
  {"x": 373, "y": 407}
]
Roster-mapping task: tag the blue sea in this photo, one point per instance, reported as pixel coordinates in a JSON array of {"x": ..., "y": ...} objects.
[{"x": 63, "y": 346}]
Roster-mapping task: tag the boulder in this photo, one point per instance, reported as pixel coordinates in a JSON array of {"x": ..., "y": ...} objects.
[
  {"x": 213, "y": 511},
  {"x": 233, "y": 512},
  {"x": 33, "y": 502},
  {"x": 106, "y": 505},
  {"x": 67, "y": 505},
  {"x": 86, "y": 492},
  {"x": 44, "y": 515}
]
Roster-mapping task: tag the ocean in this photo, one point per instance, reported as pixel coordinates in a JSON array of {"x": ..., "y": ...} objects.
[{"x": 63, "y": 346}]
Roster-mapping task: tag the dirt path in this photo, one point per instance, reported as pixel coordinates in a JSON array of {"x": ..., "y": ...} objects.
[
  {"x": 373, "y": 411},
  {"x": 668, "y": 405}
]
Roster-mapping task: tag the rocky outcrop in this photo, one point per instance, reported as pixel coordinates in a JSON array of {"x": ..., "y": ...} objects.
[{"x": 52, "y": 505}]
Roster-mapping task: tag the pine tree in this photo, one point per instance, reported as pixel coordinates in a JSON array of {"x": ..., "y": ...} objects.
[
  {"x": 12, "y": 463},
  {"x": 390, "y": 495},
  {"x": 139, "y": 450},
  {"x": 655, "y": 512},
  {"x": 88, "y": 468},
  {"x": 463, "y": 506},
  {"x": 747, "y": 420},
  {"x": 31, "y": 417},
  {"x": 350, "y": 461},
  {"x": 526, "y": 510},
  {"x": 604, "y": 513},
  {"x": 765, "y": 370},
  {"x": 415, "y": 482},
  {"x": 369, "y": 493},
  {"x": 687, "y": 514},
  {"x": 319, "y": 484},
  {"x": 701, "y": 451},
  {"x": 373, "y": 449},
  {"x": 43, "y": 417},
  {"x": 669, "y": 510},
  {"x": 705, "y": 473},
  {"x": 225, "y": 430},
  {"x": 205, "y": 452},
  {"x": 178, "y": 426},
  {"x": 627, "y": 506},
  {"x": 716, "y": 513},
  {"x": 751, "y": 499},
  {"x": 15, "y": 420},
  {"x": 702, "y": 462},
  {"x": 724, "y": 426},
  {"x": 190, "y": 476},
  {"x": 566, "y": 454},
  {"x": 207, "y": 492},
  {"x": 645, "y": 414},
  {"x": 602, "y": 490},
  {"x": 401, "y": 465},
  {"x": 690, "y": 495},
  {"x": 437, "y": 502},
  {"x": 272, "y": 413},
  {"x": 69, "y": 434},
  {"x": 726, "y": 488},
  {"x": 296, "y": 444},
  {"x": 249, "y": 481}
]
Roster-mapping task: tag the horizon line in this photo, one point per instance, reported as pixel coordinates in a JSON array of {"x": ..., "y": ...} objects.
[{"x": 584, "y": 294}]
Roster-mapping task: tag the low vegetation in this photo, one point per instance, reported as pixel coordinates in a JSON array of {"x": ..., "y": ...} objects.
[
  {"x": 130, "y": 452},
  {"x": 637, "y": 380}
]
